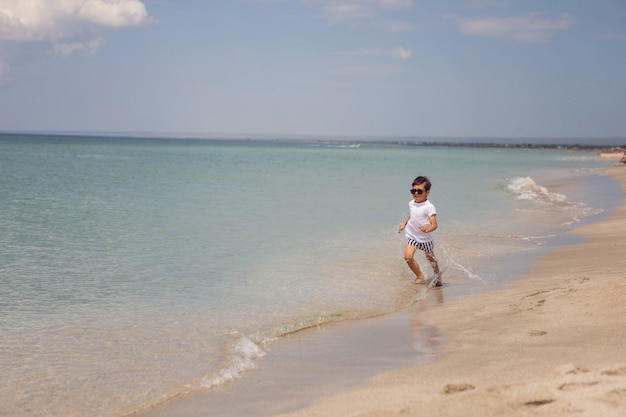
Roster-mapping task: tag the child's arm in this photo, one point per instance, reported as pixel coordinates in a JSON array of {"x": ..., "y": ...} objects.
[
  {"x": 401, "y": 228},
  {"x": 433, "y": 225}
]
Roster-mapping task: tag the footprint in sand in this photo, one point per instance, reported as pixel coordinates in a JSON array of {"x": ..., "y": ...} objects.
[
  {"x": 537, "y": 403},
  {"x": 569, "y": 369},
  {"x": 454, "y": 388},
  {"x": 615, "y": 371},
  {"x": 577, "y": 385},
  {"x": 615, "y": 397}
]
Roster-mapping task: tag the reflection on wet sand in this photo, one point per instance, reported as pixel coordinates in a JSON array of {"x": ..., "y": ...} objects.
[{"x": 426, "y": 338}]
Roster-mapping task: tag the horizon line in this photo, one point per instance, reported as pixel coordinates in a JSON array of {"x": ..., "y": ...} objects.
[{"x": 545, "y": 140}]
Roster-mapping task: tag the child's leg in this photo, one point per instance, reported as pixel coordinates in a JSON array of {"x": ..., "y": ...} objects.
[
  {"x": 409, "y": 253},
  {"x": 430, "y": 256}
]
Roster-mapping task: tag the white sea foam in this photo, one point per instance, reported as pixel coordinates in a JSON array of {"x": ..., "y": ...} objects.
[
  {"x": 245, "y": 352},
  {"x": 567, "y": 212},
  {"x": 581, "y": 158},
  {"x": 527, "y": 189}
]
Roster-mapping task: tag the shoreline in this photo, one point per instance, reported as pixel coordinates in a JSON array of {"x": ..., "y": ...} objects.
[
  {"x": 551, "y": 343},
  {"x": 481, "y": 351}
]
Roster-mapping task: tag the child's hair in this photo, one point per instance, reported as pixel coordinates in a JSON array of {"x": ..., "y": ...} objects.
[{"x": 422, "y": 180}]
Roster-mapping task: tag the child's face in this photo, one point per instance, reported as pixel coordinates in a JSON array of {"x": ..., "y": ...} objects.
[{"x": 417, "y": 197}]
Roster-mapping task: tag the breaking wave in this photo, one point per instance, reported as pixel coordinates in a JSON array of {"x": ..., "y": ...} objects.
[{"x": 527, "y": 189}]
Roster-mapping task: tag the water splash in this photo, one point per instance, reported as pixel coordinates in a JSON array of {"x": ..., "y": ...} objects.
[
  {"x": 245, "y": 352},
  {"x": 527, "y": 189}
]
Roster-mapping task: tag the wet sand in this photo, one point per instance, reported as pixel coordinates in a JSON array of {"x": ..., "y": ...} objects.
[{"x": 550, "y": 344}]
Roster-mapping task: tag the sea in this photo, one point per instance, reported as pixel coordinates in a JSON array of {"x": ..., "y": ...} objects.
[{"x": 134, "y": 270}]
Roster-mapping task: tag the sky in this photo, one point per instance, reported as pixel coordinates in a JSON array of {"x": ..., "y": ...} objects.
[{"x": 390, "y": 68}]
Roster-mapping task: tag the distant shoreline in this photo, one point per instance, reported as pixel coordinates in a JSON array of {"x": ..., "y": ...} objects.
[{"x": 611, "y": 145}]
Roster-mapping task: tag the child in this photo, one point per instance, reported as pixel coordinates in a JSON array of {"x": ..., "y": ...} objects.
[{"x": 421, "y": 222}]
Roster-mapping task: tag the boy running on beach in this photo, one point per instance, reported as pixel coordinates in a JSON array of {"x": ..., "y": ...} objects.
[{"x": 421, "y": 222}]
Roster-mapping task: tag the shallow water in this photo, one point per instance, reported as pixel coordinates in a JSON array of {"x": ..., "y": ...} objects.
[{"x": 137, "y": 269}]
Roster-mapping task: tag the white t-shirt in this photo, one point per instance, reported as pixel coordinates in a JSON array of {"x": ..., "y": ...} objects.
[{"x": 420, "y": 216}]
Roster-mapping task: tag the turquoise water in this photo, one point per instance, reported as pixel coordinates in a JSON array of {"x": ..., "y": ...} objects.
[{"x": 137, "y": 269}]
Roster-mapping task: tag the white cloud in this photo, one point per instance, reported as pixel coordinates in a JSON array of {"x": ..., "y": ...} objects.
[
  {"x": 532, "y": 27},
  {"x": 480, "y": 4},
  {"x": 114, "y": 13},
  {"x": 401, "y": 53},
  {"x": 336, "y": 11},
  {"x": 395, "y": 4},
  {"x": 340, "y": 12},
  {"x": 398, "y": 52},
  {"x": 398, "y": 26},
  {"x": 68, "y": 48},
  {"x": 64, "y": 23},
  {"x": 54, "y": 20}
]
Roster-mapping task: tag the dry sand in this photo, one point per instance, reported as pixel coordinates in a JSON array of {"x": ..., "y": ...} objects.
[{"x": 550, "y": 344}]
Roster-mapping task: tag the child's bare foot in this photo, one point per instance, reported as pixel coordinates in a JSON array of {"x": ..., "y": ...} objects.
[
  {"x": 420, "y": 279},
  {"x": 438, "y": 281}
]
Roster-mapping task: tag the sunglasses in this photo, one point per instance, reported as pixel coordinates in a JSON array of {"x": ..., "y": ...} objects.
[{"x": 420, "y": 192}]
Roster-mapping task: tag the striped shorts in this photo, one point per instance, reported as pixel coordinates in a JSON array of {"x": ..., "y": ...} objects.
[{"x": 425, "y": 246}]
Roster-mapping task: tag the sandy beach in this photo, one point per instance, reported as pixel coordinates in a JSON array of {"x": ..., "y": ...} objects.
[{"x": 550, "y": 344}]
